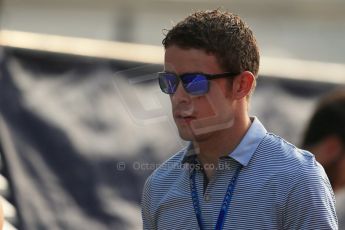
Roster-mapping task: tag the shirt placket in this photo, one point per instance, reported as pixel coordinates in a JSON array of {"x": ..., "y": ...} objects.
[{"x": 217, "y": 185}]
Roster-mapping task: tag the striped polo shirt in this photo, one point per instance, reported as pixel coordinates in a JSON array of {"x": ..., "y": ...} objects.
[{"x": 278, "y": 187}]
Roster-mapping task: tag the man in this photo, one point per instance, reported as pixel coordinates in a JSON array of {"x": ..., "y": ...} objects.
[
  {"x": 1, "y": 217},
  {"x": 233, "y": 174},
  {"x": 325, "y": 137}
]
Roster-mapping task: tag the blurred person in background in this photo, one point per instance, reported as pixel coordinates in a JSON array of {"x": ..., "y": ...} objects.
[
  {"x": 1, "y": 217},
  {"x": 233, "y": 174},
  {"x": 325, "y": 137}
]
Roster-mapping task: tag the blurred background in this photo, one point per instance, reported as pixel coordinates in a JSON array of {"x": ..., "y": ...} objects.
[{"x": 82, "y": 119}]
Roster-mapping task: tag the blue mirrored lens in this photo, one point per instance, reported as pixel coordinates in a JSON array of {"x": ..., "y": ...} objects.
[
  {"x": 168, "y": 82},
  {"x": 195, "y": 84}
]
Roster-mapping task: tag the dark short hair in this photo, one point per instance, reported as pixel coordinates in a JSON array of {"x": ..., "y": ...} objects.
[
  {"x": 222, "y": 34},
  {"x": 328, "y": 119}
]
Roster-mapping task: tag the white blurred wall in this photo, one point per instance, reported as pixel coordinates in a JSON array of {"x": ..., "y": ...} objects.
[{"x": 302, "y": 29}]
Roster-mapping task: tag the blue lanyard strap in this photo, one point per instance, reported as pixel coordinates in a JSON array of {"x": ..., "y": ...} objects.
[{"x": 225, "y": 204}]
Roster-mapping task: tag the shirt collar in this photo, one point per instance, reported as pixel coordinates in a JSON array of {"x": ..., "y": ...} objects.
[{"x": 246, "y": 148}]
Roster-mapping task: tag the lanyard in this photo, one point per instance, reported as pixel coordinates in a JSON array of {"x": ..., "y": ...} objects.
[{"x": 225, "y": 204}]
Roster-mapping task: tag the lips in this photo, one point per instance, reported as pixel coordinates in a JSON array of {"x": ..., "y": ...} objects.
[{"x": 184, "y": 119}]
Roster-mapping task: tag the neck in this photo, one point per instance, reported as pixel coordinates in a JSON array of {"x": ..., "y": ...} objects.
[{"x": 221, "y": 143}]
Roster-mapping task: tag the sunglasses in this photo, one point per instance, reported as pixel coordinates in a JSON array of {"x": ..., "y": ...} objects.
[{"x": 193, "y": 83}]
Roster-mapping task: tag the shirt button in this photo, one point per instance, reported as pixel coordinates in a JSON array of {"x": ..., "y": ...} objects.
[{"x": 207, "y": 198}]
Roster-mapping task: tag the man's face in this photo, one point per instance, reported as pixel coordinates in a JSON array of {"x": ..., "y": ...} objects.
[{"x": 199, "y": 117}]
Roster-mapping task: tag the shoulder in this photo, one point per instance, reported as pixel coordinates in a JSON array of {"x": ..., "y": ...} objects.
[
  {"x": 299, "y": 167},
  {"x": 289, "y": 162},
  {"x": 305, "y": 191},
  {"x": 285, "y": 153}
]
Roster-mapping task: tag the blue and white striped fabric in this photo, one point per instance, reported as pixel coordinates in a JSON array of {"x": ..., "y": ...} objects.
[{"x": 279, "y": 187}]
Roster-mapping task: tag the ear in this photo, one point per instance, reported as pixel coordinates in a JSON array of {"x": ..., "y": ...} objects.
[{"x": 242, "y": 85}]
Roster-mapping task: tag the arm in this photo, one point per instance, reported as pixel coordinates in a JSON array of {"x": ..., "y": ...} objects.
[
  {"x": 148, "y": 222},
  {"x": 310, "y": 202}
]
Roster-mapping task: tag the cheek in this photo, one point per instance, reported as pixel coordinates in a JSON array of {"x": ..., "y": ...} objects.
[
  {"x": 216, "y": 103},
  {"x": 203, "y": 107}
]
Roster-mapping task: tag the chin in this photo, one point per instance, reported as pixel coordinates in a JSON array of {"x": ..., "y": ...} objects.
[{"x": 188, "y": 135}]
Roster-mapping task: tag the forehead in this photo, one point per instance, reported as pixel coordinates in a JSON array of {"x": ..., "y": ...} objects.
[{"x": 180, "y": 60}]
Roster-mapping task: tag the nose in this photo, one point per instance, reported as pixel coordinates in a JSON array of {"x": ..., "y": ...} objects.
[{"x": 180, "y": 96}]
